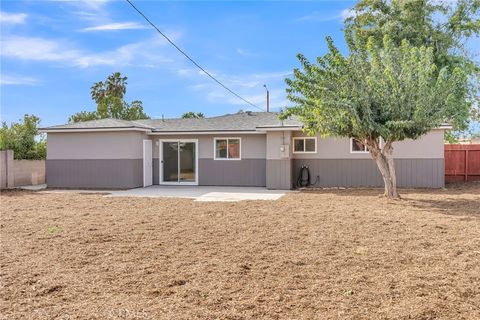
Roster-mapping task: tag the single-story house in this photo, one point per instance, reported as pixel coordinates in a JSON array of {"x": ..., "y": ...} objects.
[{"x": 242, "y": 149}]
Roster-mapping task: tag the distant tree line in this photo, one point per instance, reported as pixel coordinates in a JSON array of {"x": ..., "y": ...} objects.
[
  {"x": 193, "y": 115},
  {"x": 24, "y": 139}
]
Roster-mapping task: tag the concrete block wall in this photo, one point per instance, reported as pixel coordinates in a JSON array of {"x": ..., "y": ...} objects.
[
  {"x": 14, "y": 173},
  {"x": 28, "y": 172}
]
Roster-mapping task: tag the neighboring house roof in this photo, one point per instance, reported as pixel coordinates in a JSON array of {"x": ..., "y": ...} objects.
[{"x": 244, "y": 121}]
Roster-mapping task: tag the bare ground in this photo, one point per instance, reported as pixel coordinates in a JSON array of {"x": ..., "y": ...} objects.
[{"x": 331, "y": 254}]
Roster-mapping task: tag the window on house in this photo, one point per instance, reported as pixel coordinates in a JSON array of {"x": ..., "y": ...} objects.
[
  {"x": 227, "y": 148},
  {"x": 305, "y": 145},
  {"x": 357, "y": 146}
]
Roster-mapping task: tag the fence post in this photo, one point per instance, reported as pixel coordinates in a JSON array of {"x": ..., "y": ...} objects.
[
  {"x": 9, "y": 169},
  {"x": 466, "y": 164}
]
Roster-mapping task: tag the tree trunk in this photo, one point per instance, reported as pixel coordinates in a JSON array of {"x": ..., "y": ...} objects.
[{"x": 386, "y": 165}]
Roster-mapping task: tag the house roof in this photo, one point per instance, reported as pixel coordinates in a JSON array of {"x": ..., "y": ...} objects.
[
  {"x": 237, "y": 122},
  {"x": 244, "y": 121},
  {"x": 97, "y": 124}
]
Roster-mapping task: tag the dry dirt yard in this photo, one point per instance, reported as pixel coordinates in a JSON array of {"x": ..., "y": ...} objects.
[{"x": 331, "y": 254}]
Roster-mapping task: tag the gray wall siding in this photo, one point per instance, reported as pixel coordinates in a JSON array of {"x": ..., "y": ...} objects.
[
  {"x": 411, "y": 173},
  {"x": 95, "y": 173},
  {"x": 279, "y": 174},
  {"x": 95, "y": 159},
  {"x": 95, "y": 145},
  {"x": 249, "y": 171},
  {"x": 279, "y": 163},
  {"x": 275, "y": 139},
  {"x": 156, "y": 171},
  {"x": 253, "y": 145},
  {"x": 429, "y": 146},
  {"x": 244, "y": 173}
]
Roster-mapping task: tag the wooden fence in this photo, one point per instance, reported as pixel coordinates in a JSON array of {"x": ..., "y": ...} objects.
[{"x": 462, "y": 162}]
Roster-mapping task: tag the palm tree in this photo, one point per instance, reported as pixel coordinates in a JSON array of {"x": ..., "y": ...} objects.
[{"x": 116, "y": 85}]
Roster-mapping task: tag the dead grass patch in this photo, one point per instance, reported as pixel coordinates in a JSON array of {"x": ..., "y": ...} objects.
[{"x": 331, "y": 254}]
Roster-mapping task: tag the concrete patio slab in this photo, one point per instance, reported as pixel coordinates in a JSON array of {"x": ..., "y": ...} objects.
[{"x": 202, "y": 193}]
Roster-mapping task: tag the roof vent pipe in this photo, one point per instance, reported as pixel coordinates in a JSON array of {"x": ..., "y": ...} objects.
[{"x": 268, "y": 98}]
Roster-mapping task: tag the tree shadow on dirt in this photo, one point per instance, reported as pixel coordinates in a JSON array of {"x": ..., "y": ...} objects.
[
  {"x": 466, "y": 188},
  {"x": 461, "y": 199},
  {"x": 449, "y": 206}
]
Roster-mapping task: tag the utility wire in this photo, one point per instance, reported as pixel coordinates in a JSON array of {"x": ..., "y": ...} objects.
[{"x": 191, "y": 59}]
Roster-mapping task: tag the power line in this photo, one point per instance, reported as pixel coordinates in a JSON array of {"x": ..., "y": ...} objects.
[{"x": 191, "y": 59}]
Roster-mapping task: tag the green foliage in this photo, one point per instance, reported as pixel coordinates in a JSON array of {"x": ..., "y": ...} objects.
[
  {"x": 109, "y": 96},
  {"x": 377, "y": 91},
  {"x": 54, "y": 229},
  {"x": 193, "y": 115},
  {"x": 84, "y": 116},
  {"x": 443, "y": 26},
  {"x": 24, "y": 139}
]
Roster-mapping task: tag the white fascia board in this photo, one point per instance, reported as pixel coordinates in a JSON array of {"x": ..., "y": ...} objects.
[
  {"x": 192, "y": 133},
  {"x": 284, "y": 128},
  {"x": 92, "y": 130}
]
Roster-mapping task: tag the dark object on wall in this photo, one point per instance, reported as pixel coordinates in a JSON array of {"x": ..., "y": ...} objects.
[{"x": 303, "y": 177}]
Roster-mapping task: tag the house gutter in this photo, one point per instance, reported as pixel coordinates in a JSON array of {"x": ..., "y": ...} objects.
[
  {"x": 57, "y": 130},
  {"x": 169, "y": 133},
  {"x": 279, "y": 128}
]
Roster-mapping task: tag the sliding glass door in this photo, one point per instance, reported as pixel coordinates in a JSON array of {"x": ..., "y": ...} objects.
[{"x": 178, "y": 163}]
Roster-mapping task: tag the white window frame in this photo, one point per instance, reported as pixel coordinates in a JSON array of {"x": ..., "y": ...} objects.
[
  {"x": 380, "y": 143},
  {"x": 357, "y": 151},
  {"x": 160, "y": 162},
  {"x": 227, "y": 138},
  {"x": 304, "y": 144}
]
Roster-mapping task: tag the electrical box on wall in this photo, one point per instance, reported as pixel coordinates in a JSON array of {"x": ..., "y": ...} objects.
[{"x": 284, "y": 151}]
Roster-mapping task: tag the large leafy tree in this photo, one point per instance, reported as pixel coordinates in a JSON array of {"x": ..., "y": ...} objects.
[
  {"x": 24, "y": 139},
  {"x": 193, "y": 115},
  {"x": 379, "y": 93},
  {"x": 109, "y": 97},
  {"x": 445, "y": 26}
]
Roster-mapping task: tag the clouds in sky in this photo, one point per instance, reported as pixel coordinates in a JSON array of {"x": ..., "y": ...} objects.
[
  {"x": 94, "y": 17},
  {"x": 12, "y": 79},
  {"x": 93, "y": 5},
  {"x": 115, "y": 26},
  {"x": 36, "y": 49},
  {"x": 249, "y": 86},
  {"x": 67, "y": 54},
  {"x": 12, "y": 18},
  {"x": 247, "y": 53},
  {"x": 347, "y": 13},
  {"x": 325, "y": 16}
]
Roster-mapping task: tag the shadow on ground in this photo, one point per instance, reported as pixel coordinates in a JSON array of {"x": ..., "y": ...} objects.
[
  {"x": 449, "y": 206},
  {"x": 459, "y": 199}
]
